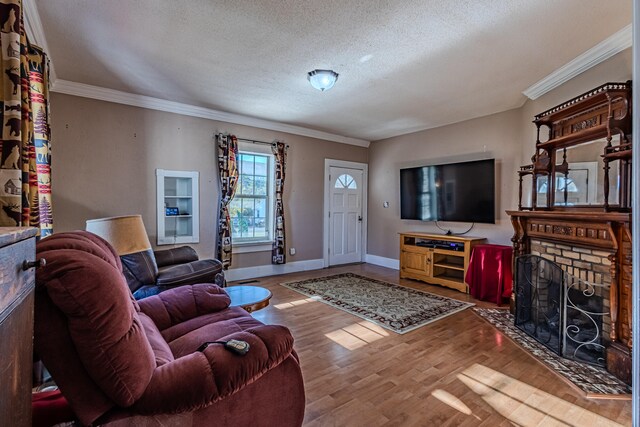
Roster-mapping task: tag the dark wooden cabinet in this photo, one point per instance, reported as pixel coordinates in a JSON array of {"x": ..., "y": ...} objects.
[{"x": 17, "y": 282}]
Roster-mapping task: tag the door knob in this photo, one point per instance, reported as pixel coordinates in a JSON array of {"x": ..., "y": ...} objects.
[{"x": 359, "y": 218}]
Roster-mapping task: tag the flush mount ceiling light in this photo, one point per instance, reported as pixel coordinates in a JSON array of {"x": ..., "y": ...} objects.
[{"x": 322, "y": 79}]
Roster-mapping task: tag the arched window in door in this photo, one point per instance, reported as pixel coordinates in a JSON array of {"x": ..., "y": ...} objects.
[{"x": 346, "y": 181}]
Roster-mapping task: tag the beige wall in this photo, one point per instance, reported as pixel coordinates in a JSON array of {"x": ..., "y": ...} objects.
[
  {"x": 494, "y": 136},
  {"x": 105, "y": 157},
  {"x": 509, "y": 137}
]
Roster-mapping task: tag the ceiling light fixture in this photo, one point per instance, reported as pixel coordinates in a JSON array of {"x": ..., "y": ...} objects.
[{"x": 322, "y": 79}]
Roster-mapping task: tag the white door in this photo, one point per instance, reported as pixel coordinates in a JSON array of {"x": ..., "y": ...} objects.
[{"x": 345, "y": 215}]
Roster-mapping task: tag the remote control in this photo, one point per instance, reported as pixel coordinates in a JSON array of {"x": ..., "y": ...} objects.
[{"x": 236, "y": 346}]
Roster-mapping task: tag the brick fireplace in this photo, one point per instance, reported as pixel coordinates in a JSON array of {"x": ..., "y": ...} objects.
[
  {"x": 589, "y": 265},
  {"x": 596, "y": 248}
]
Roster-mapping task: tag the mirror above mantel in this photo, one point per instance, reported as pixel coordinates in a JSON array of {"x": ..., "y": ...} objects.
[
  {"x": 582, "y": 158},
  {"x": 579, "y": 178}
]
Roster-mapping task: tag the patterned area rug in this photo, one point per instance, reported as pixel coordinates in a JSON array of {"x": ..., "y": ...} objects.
[
  {"x": 393, "y": 307},
  {"x": 594, "y": 381}
]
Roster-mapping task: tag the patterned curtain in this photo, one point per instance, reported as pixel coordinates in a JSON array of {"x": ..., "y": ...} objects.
[
  {"x": 279, "y": 251},
  {"x": 228, "y": 167},
  {"x": 25, "y": 180}
]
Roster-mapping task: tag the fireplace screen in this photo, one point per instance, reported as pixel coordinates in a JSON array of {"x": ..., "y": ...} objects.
[
  {"x": 539, "y": 286},
  {"x": 560, "y": 310}
]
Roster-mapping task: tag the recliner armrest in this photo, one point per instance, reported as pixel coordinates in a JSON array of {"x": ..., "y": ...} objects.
[
  {"x": 180, "y": 255},
  {"x": 184, "y": 303},
  {"x": 200, "y": 378},
  {"x": 201, "y": 271}
]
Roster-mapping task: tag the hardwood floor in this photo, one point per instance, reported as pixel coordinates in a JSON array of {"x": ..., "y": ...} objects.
[{"x": 458, "y": 371}]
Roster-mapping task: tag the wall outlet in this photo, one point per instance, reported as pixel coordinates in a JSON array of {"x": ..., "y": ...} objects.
[{"x": 292, "y": 251}]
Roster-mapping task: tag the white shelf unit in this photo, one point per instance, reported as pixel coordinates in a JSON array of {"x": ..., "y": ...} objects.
[{"x": 178, "y": 189}]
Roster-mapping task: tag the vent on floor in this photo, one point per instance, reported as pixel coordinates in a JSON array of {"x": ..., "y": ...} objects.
[{"x": 248, "y": 281}]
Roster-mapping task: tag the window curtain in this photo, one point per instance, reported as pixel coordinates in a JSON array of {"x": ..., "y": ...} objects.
[
  {"x": 228, "y": 168},
  {"x": 279, "y": 251},
  {"x": 25, "y": 150}
]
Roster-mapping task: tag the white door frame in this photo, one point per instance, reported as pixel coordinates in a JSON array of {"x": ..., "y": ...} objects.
[{"x": 328, "y": 163}]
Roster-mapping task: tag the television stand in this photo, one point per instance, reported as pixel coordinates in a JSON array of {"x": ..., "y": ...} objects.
[{"x": 436, "y": 259}]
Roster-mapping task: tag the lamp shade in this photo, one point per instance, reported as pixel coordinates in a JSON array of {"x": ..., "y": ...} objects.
[
  {"x": 126, "y": 234},
  {"x": 322, "y": 79}
]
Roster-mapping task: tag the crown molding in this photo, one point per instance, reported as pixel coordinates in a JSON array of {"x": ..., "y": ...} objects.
[
  {"x": 142, "y": 101},
  {"x": 604, "y": 50},
  {"x": 35, "y": 32}
]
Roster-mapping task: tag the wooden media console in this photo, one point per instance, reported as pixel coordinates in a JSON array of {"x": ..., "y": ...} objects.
[{"x": 436, "y": 259}]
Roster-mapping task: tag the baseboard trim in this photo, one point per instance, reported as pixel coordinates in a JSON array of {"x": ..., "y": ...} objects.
[
  {"x": 382, "y": 261},
  {"x": 272, "y": 269}
]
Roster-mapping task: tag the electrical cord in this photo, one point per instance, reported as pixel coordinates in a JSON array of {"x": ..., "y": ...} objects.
[{"x": 448, "y": 232}]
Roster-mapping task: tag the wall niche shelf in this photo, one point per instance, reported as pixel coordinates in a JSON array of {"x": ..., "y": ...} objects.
[{"x": 177, "y": 190}]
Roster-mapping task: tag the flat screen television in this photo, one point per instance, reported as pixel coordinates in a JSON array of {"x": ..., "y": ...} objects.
[{"x": 463, "y": 192}]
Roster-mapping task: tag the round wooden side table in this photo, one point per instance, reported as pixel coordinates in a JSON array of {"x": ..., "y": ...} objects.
[{"x": 251, "y": 298}]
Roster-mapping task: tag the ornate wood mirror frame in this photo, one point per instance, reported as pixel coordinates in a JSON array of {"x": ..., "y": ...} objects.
[{"x": 604, "y": 114}]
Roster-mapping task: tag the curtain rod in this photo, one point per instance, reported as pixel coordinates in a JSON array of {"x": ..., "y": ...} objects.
[{"x": 253, "y": 141}]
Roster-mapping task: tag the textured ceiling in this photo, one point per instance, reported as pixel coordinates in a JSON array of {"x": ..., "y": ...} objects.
[{"x": 404, "y": 65}]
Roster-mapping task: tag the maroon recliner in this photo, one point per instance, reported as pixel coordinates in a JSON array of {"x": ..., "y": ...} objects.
[{"x": 125, "y": 363}]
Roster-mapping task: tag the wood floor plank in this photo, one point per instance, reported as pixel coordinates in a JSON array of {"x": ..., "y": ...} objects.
[{"x": 357, "y": 374}]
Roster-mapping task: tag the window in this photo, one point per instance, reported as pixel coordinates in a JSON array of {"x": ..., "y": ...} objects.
[
  {"x": 561, "y": 183},
  {"x": 251, "y": 209},
  {"x": 346, "y": 181}
]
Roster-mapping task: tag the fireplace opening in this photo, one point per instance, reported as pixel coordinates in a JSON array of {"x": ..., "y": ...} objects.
[{"x": 559, "y": 310}]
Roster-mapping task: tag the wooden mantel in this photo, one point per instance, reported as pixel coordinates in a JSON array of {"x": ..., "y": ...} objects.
[{"x": 581, "y": 228}]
